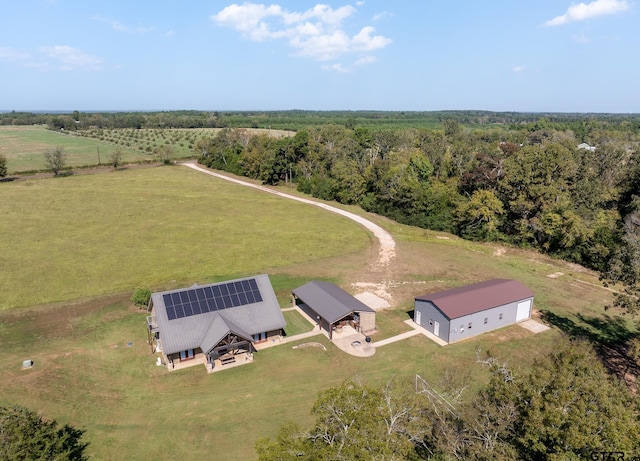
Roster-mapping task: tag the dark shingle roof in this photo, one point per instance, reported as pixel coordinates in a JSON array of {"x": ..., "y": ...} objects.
[
  {"x": 329, "y": 301},
  {"x": 205, "y": 330},
  {"x": 469, "y": 299}
]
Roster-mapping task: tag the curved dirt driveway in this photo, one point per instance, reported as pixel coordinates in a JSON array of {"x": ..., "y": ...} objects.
[{"x": 387, "y": 245}]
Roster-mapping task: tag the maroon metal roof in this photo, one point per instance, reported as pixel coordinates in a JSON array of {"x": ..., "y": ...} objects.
[{"x": 469, "y": 299}]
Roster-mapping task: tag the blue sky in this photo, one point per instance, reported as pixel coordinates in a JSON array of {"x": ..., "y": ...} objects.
[{"x": 499, "y": 55}]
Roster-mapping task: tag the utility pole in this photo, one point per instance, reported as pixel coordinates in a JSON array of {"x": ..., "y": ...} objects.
[{"x": 98, "y": 149}]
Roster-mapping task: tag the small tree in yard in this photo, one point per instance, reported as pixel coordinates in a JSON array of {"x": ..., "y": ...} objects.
[
  {"x": 141, "y": 297},
  {"x": 55, "y": 159},
  {"x": 165, "y": 153},
  {"x": 3, "y": 166},
  {"x": 116, "y": 158}
]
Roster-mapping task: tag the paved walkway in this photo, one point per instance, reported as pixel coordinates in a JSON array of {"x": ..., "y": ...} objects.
[{"x": 417, "y": 330}]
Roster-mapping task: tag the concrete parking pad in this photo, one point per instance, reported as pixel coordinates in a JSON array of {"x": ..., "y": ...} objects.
[{"x": 534, "y": 326}]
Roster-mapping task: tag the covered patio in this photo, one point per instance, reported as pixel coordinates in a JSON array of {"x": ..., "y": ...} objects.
[{"x": 334, "y": 310}]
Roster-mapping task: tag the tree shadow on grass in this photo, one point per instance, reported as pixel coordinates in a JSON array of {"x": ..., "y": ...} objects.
[{"x": 610, "y": 337}]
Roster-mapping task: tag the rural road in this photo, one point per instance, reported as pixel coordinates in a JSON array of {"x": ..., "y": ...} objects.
[{"x": 387, "y": 245}]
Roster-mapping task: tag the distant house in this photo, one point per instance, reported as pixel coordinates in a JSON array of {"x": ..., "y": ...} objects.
[
  {"x": 586, "y": 146},
  {"x": 215, "y": 324},
  {"x": 463, "y": 312},
  {"x": 333, "y": 308}
]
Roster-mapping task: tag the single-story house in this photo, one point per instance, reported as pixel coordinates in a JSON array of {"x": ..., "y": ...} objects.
[
  {"x": 333, "y": 308},
  {"x": 463, "y": 312},
  {"x": 214, "y": 324}
]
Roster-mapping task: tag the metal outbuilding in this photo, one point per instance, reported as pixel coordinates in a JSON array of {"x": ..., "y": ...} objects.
[{"x": 467, "y": 311}]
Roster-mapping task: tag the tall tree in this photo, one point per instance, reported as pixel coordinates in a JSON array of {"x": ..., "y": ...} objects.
[{"x": 25, "y": 436}]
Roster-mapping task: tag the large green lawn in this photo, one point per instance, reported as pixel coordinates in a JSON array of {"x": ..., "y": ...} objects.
[
  {"x": 96, "y": 237},
  {"x": 86, "y": 236}
]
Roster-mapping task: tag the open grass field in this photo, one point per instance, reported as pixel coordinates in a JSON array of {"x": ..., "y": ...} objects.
[
  {"x": 24, "y": 146},
  {"x": 95, "y": 236}
]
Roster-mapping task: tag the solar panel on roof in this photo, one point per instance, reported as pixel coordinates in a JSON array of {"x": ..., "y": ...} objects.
[
  {"x": 196, "y": 301},
  {"x": 167, "y": 301},
  {"x": 175, "y": 298}
]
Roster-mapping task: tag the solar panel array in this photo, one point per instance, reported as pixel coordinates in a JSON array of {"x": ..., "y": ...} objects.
[{"x": 212, "y": 298}]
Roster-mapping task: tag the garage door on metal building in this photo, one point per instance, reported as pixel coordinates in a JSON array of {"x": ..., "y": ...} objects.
[{"x": 524, "y": 310}]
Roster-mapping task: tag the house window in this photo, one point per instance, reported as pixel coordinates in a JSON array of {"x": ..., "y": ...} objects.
[
  {"x": 486, "y": 320},
  {"x": 469, "y": 325},
  {"x": 500, "y": 317},
  {"x": 186, "y": 355}
]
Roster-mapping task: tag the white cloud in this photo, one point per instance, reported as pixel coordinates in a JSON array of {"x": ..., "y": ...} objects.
[
  {"x": 518, "y": 69},
  {"x": 341, "y": 69},
  {"x": 9, "y": 54},
  {"x": 583, "y": 11},
  {"x": 365, "y": 60},
  {"x": 317, "y": 33},
  {"x": 120, "y": 27},
  {"x": 337, "y": 68},
  {"x": 382, "y": 15},
  {"x": 69, "y": 58}
]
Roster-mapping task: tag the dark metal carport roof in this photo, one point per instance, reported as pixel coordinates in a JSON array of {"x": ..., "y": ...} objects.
[{"x": 329, "y": 301}]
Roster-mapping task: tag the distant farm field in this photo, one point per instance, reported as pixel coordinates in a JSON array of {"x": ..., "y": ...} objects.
[
  {"x": 86, "y": 236},
  {"x": 24, "y": 146}
]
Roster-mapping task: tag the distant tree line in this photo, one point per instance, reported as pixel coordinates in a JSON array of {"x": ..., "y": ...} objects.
[{"x": 296, "y": 120}]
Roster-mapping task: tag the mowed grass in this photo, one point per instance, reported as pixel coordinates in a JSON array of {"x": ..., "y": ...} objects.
[
  {"x": 24, "y": 148},
  {"x": 87, "y": 374},
  {"x": 94, "y": 235}
]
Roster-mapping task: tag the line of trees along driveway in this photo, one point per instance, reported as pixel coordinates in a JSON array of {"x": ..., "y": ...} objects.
[{"x": 530, "y": 185}]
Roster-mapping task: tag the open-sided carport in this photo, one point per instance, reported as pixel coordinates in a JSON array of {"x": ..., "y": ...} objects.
[{"x": 333, "y": 308}]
